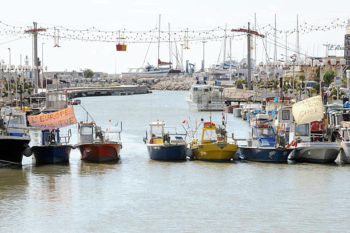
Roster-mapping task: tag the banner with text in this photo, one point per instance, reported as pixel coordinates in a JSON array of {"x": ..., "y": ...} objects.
[
  {"x": 55, "y": 120},
  {"x": 308, "y": 110}
]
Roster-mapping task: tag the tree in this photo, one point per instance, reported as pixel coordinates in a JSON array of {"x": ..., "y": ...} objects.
[
  {"x": 88, "y": 73},
  {"x": 328, "y": 77}
]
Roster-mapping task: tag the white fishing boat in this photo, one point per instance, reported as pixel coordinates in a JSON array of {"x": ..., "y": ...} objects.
[
  {"x": 204, "y": 97},
  {"x": 344, "y": 155},
  {"x": 310, "y": 147}
]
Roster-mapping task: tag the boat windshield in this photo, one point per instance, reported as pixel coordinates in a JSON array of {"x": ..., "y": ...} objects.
[
  {"x": 265, "y": 132},
  {"x": 157, "y": 132},
  {"x": 302, "y": 130},
  {"x": 210, "y": 135},
  {"x": 86, "y": 130}
]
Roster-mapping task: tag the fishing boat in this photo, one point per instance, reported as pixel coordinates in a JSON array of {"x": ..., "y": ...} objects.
[
  {"x": 161, "y": 146},
  {"x": 204, "y": 97},
  {"x": 53, "y": 150},
  {"x": 311, "y": 148},
  {"x": 95, "y": 146},
  {"x": 213, "y": 145},
  {"x": 14, "y": 137},
  {"x": 262, "y": 146},
  {"x": 344, "y": 155}
]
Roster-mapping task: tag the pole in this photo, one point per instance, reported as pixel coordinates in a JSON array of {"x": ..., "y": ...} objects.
[
  {"x": 182, "y": 56},
  {"x": 9, "y": 95},
  {"x": 36, "y": 75},
  {"x": 293, "y": 73},
  {"x": 158, "y": 41},
  {"x": 298, "y": 48},
  {"x": 255, "y": 37},
  {"x": 42, "y": 65},
  {"x": 169, "y": 43},
  {"x": 286, "y": 55},
  {"x": 230, "y": 59},
  {"x": 224, "y": 54},
  {"x": 249, "y": 59},
  {"x": 275, "y": 49},
  {"x": 203, "y": 61}
]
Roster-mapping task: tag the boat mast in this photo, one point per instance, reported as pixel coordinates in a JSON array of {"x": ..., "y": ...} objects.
[
  {"x": 255, "y": 38},
  {"x": 224, "y": 54},
  {"x": 169, "y": 44},
  {"x": 298, "y": 48},
  {"x": 158, "y": 41}
]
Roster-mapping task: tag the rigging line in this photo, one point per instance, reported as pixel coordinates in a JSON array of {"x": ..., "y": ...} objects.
[
  {"x": 13, "y": 40},
  {"x": 149, "y": 45}
]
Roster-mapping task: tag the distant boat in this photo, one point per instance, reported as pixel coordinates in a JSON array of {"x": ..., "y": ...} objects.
[
  {"x": 213, "y": 145},
  {"x": 95, "y": 146},
  {"x": 161, "y": 146},
  {"x": 204, "y": 97}
]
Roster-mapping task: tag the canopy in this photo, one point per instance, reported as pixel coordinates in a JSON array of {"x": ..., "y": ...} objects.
[
  {"x": 308, "y": 110},
  {"x": 55, "y": 120}
]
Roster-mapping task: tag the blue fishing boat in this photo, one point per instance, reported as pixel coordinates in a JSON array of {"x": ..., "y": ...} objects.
[
  {"x": 262, "y": 146},
  {"x": 161, "y": 146},
  {"x": 52, "y": 150}
]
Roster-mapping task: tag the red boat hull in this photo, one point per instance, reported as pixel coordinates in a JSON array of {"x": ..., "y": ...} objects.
[{"x": 100, "y": 152}]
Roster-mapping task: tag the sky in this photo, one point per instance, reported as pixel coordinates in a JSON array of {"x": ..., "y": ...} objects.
[{"x": 143, "y": 15}]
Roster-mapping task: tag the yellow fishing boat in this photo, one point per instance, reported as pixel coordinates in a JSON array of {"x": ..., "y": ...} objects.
[{"x": 213, "y": 145}]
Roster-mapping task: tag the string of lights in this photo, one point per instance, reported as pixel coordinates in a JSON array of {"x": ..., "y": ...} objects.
[{"x": 124, "y": 36}]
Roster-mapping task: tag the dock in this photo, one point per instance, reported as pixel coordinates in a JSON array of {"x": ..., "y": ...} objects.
[{"x": 93, "y": 90}]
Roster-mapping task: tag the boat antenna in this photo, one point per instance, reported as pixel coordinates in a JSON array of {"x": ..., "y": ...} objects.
[{"x": 87, "y": 114}]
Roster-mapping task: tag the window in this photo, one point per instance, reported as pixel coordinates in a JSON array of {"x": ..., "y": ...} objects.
[
  {"x": 86, "y": 130},
  {"x": 16, "y": 120},
  {"x": 265, "y": 132},
  {"x": 210, "y": 135},
  {"x": 302, "y": 130},
  {"x": 285, "y": 115}
]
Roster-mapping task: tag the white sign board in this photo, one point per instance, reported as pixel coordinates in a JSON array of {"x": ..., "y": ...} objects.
[{"x": 337, "y": 81}]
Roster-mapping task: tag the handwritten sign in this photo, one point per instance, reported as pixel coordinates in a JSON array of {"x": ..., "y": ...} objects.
[
  {"x": 54, "y": 120},
  {"x": 308, "y": 110}
]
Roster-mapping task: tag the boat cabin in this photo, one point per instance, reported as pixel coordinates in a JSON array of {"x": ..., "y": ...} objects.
[
  {"x": 15, "y": 121},
  {"x": 55, "y": 101},
  {"x": 263, "y": 135},
  {"x": 299, "y": 133},
  {"x": 90, "y": 133},
  {"x": 53, "y": 137},
  {"x": 209, "y": 134},
  {"x": 157, "y": 133}
]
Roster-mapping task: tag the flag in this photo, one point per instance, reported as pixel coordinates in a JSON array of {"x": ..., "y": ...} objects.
[{"x": 184, "y": 122}]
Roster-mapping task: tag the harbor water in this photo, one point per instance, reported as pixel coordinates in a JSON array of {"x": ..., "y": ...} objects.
[{"x": 141, "y": 195}]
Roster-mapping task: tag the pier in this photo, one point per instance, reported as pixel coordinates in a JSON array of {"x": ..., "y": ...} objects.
[{"x": 101, "y": 90}]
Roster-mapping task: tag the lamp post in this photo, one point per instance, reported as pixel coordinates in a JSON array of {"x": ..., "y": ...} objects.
[
  {"x": 9, "y": 96},
  {"x": 42, "y": 64}
]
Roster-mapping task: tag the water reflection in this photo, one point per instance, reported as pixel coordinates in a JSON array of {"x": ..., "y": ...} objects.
[
  {"x": 13, "y": 182},
  {"x": 91, "y": 169}
]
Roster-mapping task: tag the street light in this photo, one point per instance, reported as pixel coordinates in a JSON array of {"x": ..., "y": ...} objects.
[{"x": 9, "y": 96}]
